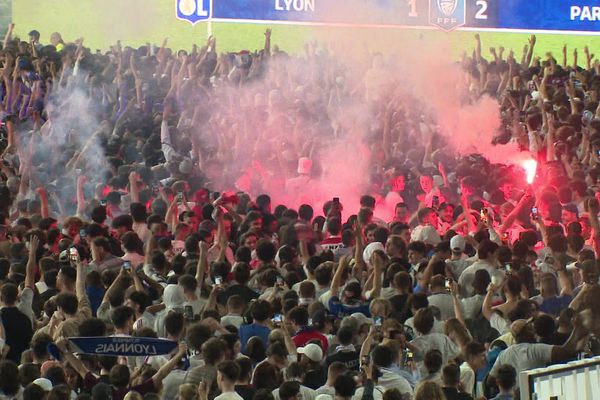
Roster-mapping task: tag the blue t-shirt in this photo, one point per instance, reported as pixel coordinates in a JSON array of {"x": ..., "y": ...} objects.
[
  {"x": 554, "y": 305},
  {"x": 249, "y": 330},
  {"x": 340, "y": 310}
]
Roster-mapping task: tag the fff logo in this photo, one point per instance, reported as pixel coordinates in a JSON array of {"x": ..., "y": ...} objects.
[{"x": 193, "y": 11}]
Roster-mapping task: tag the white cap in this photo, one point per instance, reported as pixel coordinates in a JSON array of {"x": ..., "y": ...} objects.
[
  {"x": 44, "y": 383},
  {"x": 370, "y": 249},
  {"x": 362, "y": 319},
  {"x": 311, "y": 351},
  {"x": 173, "y": 297},
  {"x": 457, "y": 243}
]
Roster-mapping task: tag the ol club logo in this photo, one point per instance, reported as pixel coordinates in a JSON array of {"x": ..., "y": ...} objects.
[{"x": 193, "y": 11}]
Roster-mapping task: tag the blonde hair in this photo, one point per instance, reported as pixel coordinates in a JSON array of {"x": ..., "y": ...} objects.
[
  {"x": 429, "y": 390},
  {"x": 381, "y": 302},
  {"x": 133, "y": 396},
  {"x": 453, "y": 325},
  {"x": 187, "y": 391}
]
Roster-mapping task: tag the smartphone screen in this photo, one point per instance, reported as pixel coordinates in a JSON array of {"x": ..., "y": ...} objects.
[
  {"x": 277, "y": 318},
  {"x": 127, "y": 265},
  {"x": 73, "y": 254}
]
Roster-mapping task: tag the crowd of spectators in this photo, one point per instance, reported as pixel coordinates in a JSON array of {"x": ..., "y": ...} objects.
[{"x": 110, "y": 226}]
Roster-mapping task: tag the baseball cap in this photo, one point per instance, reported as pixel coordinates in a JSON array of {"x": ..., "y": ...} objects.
[
  {"x": 370, "y": 249},
  {"x": 312, "y": 351},
  {"x": 362, "y": 319},
  {"x": 457, "y": 243},
  {"x": 44, "y": 383}
]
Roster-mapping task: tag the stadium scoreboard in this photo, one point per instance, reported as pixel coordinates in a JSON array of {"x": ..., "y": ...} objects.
[{"x": 579, "y": 16}]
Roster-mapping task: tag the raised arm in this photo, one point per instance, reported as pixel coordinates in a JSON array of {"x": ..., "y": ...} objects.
[
  {"x": 486, "y": 308},
  {"x": 63, "y": 345},
  {"x": 134, "y": 190},
  {"x": 593, "y": 217},
  {"x": 158, "y": 377},
  {"x": 34, "y": 243},
  {"x": 458, "y": 308},
  {"x": 268, "y": 41},
  {"x": 379, "y": 264},
  {"x": 336, "y": 281},
  {"x": 8, "y": 36},
  {"x": 202, "y": 265},
  {"x": 44, "y": 202}
]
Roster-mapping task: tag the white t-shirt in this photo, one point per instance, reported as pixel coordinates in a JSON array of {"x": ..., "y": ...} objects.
[
  {"x": 233, "y": 320},
  {"x": 524, "y": 356},
  {"x": 443, "y": 301},
  {"x": 435, "y": 341},
  {"x": 426, "y": 234},
  {"x": 229, "y": 396},
  {"x": 499, "y": 323},
  {"x": 465, "y": 282},
  {"x": 467, "y": 378},
  {"x": 472, "y": 306}
]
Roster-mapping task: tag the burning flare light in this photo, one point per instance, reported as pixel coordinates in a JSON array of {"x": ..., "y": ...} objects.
[{"x": 530, "y": 167}]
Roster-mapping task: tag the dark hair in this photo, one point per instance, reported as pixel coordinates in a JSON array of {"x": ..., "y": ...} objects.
[
  {"x": 381, "y": 234},
  {"x": 506, "y": 377},
  {"x": 138, "y": 212},
  {"x": 123, "y": 221},
  {"x": 451, "y": 374},
  {"x": 197, "y": 335},
  {"x": 174, "y": 323},
  {"x": 255, "y": 349},
  {"x": 230, "y": 370},
  {"x": 367, "y": 201},
  {"x": 28, "y": 372},
  {"x": 140, "y": 298},
  {"x": 345, "y": 335},
  {"x": 433, "y": 361},
  {"x": 90, "y": 327},
  {"x": 33, "y": 392},
  {"x": 265, "y": 250},
  {"x": 245, "y": 365},
  {"x": 382, "y": 356},
  {"x": 68, "y": 302},
  {"x": 119, "y": 376},
  {"x": 305, "y": 212},
  {"x": 423, "y": 320},
  {"x": 299, "y": 315},
  {"x": 213, "y": 349},
  {"x": 241, "y": 273},
  {"x": 418, "y": 301},
  {"x": 289, "y": 389},
  {"x": 486, "y": 248},
  {"x": 103, "y": 243},
  {"x": 261, "y": 310},
  {"x": 39, "y": 344},
  {"x": 417, "y": 247},
  {"x": 345, "y": 386},
  {"x": 9, "y": 293},
  {"x": 120, "y": 315},
  {"x": 473, "y": 349}
]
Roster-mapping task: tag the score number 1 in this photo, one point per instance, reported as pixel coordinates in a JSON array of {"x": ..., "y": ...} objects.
[{"x": 482, "y": 7}]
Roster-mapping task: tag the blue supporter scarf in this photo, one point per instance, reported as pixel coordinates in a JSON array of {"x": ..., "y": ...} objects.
[{"x": 123, "y": 345}]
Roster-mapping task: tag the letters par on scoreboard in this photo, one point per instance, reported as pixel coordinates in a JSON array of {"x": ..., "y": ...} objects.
[{"x": 585, "y": 13}]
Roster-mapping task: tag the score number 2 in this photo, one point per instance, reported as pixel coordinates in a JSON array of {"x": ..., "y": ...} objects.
[{"x": 482, "y": 7}]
